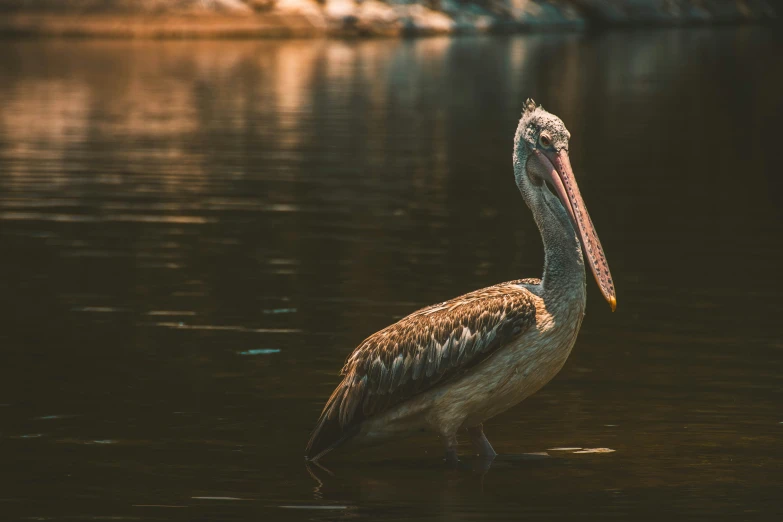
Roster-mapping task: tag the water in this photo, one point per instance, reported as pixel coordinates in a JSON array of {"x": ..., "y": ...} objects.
[{"x": 196, "y": 234}]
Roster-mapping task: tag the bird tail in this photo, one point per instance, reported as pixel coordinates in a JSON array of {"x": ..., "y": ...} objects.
[{"x": 328, "y": 432}]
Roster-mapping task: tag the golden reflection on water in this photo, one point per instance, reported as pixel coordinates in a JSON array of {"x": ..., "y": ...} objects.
[
  {"x": 142, "y": 105},
  {"x": 161, "y": 95}
]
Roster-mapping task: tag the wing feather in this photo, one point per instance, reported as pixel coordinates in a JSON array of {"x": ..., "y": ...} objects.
[{"x": 419, "y": 352}]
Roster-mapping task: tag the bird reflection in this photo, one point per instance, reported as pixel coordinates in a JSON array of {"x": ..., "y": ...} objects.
[{"x": 408, "y": 481}]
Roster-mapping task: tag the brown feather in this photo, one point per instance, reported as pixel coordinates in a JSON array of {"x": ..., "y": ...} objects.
[{"x": 421, "y": 351}]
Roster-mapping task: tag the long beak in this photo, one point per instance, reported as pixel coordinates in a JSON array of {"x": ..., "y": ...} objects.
[{"x": 568, "y": 191}]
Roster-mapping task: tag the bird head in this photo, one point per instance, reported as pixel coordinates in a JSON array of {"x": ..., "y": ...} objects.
[{"x": 543, "y": 172}]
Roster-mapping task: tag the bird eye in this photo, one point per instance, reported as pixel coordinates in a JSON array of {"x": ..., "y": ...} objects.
[{"x": 544, "y": 141}]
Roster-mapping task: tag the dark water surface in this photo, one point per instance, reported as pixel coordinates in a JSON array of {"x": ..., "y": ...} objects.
[{"x": 194, "y": 235}]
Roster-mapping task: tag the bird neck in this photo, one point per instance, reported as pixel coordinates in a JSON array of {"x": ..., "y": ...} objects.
[{"x": 564, "y": 268}]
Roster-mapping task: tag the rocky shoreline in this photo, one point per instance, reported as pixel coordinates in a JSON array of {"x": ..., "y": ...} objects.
[{"x": 299, "y": 18}]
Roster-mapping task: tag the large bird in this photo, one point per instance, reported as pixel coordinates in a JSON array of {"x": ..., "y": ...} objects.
[{"x": 458, "y": 363}]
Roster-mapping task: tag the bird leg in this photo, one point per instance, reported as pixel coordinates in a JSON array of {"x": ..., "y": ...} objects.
[
  {"x": 480, "y": 442},
  {"x": 450, "y": 441}
]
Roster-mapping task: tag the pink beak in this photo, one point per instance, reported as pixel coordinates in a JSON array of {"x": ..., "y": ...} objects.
[{"x": 562, "y": 177}]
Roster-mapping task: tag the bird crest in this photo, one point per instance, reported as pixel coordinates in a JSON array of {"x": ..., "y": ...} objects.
[{"x": 530, "y": 106}]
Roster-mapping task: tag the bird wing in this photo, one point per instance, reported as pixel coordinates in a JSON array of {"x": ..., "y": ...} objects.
[{"x": 419, "y": 352}]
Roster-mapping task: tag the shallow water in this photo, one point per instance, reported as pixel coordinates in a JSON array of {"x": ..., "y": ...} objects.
[{"x": 195, "y": 234}]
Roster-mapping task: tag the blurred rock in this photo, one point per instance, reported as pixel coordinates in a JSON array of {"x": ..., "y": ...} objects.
[
  {"x": 340, "y": 15},
  {"x": 360, "y": 17},
  {"x": 674, "y": 12},
  {"x": 545, "y": 14},
  {"x": 310, "y": 9},
  {"x": 417, "y": 19},
  {"x": 129, "y": 6},
  {"x": 378, "y": 18},
  {"x": 261, "y": 6}
]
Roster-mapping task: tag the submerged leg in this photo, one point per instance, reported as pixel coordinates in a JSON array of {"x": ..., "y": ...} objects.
[
  {"x": 450, "y": 442},
  {"x": 480, "y": 442}
]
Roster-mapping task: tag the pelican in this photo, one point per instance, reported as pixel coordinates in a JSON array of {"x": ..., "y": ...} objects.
[{"x": 458, "y": 363}]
